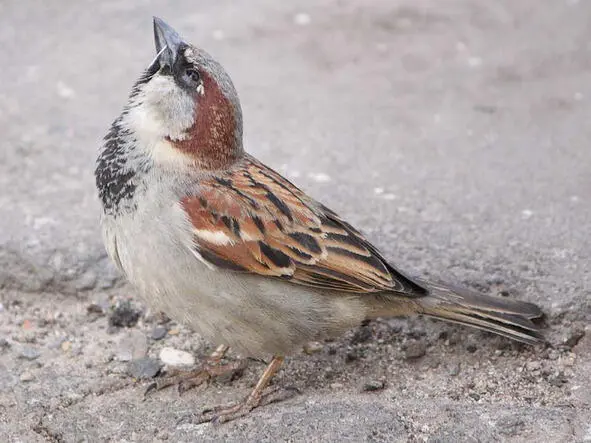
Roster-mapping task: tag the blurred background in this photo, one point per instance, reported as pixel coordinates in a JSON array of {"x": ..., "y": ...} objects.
[{"x": 454, "y": 133}]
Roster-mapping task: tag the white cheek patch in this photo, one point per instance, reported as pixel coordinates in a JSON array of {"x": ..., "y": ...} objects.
[
  {"x": 163, "y": 152},
  {"x": 161, "y": 110},
  {"x": 201, "y": 90}
]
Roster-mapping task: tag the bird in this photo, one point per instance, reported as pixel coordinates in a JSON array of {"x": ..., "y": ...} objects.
[{"x": 227, "y": 246}]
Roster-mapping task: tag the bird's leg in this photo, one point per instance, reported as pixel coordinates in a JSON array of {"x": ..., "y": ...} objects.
[
  {"x": 256, "y": 398},
  {"x": 186, "y": 380}
]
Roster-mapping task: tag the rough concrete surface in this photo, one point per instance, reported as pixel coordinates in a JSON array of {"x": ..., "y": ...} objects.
[{"x": 454, "y": 133}]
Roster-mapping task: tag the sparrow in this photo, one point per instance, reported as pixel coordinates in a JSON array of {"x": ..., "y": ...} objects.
[{"x": 224, "y": 244}]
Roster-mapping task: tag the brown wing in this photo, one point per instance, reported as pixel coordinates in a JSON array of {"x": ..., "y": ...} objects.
[{"x": 251, "y": 219}]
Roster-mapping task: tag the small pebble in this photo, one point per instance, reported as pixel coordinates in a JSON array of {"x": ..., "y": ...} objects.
[
  {"x": 374, "y": 385},
  {"x": 336, "y": 385},
  {"x": 124, "y": 315},
  {"x": 415, "y": 350},
  {"x": 56, "y": 343},
  {"x": 175, "y": 357},
  {"x": 4, "y": 344},
  {"x": 362, "y": 335},
  {"x": 26, "y": 376},
  {"x": 174, "y": 331},
  {"x": 573, "y": 338},
  {"x": 66, "y": 346},
  {"x": 454, "y": 369},
  {"x": 124, "y": 354},
  {"x": 29, "y": 353},
  {"x": 158, "y": 333},
  {"x": 144, "y": 368},
  {"x": 351, "y": 356},
  {"x": 533, "y": 365},
  {"x": 313, "y": 347},
  {"x": 95, "y": 308}
]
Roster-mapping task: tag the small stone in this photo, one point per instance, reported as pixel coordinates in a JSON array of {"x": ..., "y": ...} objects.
[
  {"x": 158, "y": 333},
  {"x": 56, "y": 343},
  {"x": 29, "y": 353},
  {"x": 124, "y": 354},
  {"x": 558, "y": 380},
  {"x": 124, "y": 315},
  {"x": 336, "y": 385},
  {"x": 573, "y": 338},
  {"x": 66, "y": 346},
  {"x": 351, "y": 356},
  {"x": 175, "y": 357},
  {"x": 26, "y": 377},
  {"x": 4, "y": 344},
  {"x": 313, "y": 347},
  {"x": 415, "y": 350},
  {"x": 374, "y": 385},
  {"x": 174, "y": 331},
  {"x": 95, "y": 308},
  {"x": 144, "y": 368},
  {"x": 471, "y": 348},
  {"x": 161, "y": 318},
  {"x": 533, "y": 365},
  {"x": 454, "y": 369},
  {"x": 474, "y": 396},
  {"x": 362, "y": 335}
]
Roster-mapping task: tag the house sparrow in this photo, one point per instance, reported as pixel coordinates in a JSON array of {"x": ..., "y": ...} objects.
[{"x": 227, "y": 246}]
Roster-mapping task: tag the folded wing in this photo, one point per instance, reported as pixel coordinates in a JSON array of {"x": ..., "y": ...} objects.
[{"x": 251, "y": 219}]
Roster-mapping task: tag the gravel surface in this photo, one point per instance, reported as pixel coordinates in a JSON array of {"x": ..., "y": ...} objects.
[{"x": 454, "y": 133}]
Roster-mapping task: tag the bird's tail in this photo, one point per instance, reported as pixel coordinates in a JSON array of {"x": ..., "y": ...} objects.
[{"x": 510, "y": 318}]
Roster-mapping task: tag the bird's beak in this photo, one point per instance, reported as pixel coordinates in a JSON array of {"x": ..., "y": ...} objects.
[{"x": 167, "y": 42}]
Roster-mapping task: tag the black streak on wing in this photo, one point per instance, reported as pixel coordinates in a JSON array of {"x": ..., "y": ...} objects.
[
  {"x": 280, "y": 205},
  {"x": 259, "y": 224},
  {"x": 219, "y": 262},
  {"x": 302, "y": 255},
  {"x": 401, "y": 282},
  {"x": 228, "y": 184},
  {"x": 307, "y": 241},
  {"x": 278, "y": 258}
]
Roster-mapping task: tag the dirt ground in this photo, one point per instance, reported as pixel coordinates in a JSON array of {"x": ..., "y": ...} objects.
[{"x": 454, "y": 133}]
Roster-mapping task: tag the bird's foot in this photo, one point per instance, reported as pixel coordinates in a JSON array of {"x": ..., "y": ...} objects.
[{"x": 225, "y": 413}]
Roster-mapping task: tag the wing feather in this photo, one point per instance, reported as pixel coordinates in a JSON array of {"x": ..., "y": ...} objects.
[{"x": 251, "y": 219}]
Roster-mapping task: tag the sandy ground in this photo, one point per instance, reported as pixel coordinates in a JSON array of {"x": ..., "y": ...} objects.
[{"x": 454, "y": 133}]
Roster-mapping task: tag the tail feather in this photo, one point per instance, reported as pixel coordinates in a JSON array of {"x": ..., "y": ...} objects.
[{"x": 509, "y": 318}]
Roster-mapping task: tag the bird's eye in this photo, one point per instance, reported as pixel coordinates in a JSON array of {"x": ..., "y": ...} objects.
[{"x": 193, "y": 75}]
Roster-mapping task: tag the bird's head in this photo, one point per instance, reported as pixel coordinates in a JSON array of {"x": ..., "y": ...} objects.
[{"x": 185, "y": 108}]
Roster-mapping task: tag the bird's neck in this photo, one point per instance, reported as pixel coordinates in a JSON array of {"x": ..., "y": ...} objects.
[{"x": 215, "y": 139}]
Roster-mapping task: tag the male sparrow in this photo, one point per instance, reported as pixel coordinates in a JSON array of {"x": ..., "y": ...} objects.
[{"x": 224, "y": 244}]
